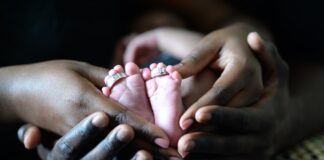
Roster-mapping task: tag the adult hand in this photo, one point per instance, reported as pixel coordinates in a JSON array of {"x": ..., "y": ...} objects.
[
  {"x": 82, "y": 142},
  {"x": 168, "y": 45},
  {"x": 56, "y": 95},
  {"x": 227, "y": 52},
  {"x": 254, "y": 132}
]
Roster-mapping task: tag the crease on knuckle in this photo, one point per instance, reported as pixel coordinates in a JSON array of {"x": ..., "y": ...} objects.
[
  {"x": 85, "y": 130},
  {"x": 64, "y": 149},
  {"x": 108, "y": 145},
  {"x": 122, "y": 117}
]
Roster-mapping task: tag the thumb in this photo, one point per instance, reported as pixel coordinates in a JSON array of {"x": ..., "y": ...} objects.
[{"x": 261, "y": 50}]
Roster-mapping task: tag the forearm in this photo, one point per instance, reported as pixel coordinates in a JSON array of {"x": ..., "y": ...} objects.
[{"x": 7, "y": 112}]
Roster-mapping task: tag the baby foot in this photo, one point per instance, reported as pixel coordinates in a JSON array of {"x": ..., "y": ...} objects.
[
  {"x": 165, "y": 97},
  {"x": 129, "y": 91}
]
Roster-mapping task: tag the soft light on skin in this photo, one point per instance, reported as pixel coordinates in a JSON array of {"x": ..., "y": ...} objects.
[
  {"x": 185, "y": 145},
  {"x": 255, "y": 41},
  {"x": 32, "y": 137}
]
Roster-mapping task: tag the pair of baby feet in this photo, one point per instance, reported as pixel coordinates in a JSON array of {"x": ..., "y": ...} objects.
[{"x": 155, "y": 98}]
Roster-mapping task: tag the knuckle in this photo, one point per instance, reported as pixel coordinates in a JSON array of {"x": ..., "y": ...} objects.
[
  {"x": 79, "y": 99},
  {"x": 63, "y": 150},
  {"x": 122, "y": 117},
  {"x": 85, "y": 130},
  {"x": 108, "y": 145}
]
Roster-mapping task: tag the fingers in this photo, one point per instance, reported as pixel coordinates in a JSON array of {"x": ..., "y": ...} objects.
[
  {"x": 116, "y": 140},
  {"x": 224, "y": 89},
  {"x": 157, "y": 153},
  {"x": 70, "y": 145},
  {"x": 259, "y": 47},
  {"x": 142, "y": 155},
  {"x": 83, "y": 137},
  {"x": 238, "y": 120},
  {"x": 240, "y": 84},
  {"x": 200, "y": 142},
  {"x": 29, "y": 135},
  {"x": 43, "y": 152},
  {"x": 120, "y": 115},
  {"x": 248, "y": 95},
  {"x": 93, "y": 73},
  {"x": 206, "y": 51},
  {"x": 273, "y": 65}
]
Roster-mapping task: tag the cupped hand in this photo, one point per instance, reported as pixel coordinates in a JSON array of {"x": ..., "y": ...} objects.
[
  {"x": 168, "y": 45},
  {"x": 254, "y": 132},
  {"x": 224, "y": 51},
  {"x": 56, "y": 95},
  {"x": 92, "y": 138}
]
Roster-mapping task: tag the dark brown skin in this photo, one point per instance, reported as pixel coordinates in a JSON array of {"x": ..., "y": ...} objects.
[
  {"x": 276, "y": 117},
  {"x": 235, "y": 52},
  {"x": 75, "y": 143},
  {"x": 92, "y": 138},
  {"x": 56, "y": 95},
  {"x": 261, "y": 130},
  {"x": 267, "y": 126}
]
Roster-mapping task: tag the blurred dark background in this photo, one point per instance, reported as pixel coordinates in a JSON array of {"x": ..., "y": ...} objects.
[{"x": 37, "y": 30}]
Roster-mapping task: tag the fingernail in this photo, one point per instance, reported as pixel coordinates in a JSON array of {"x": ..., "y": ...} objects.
[
  {"x": 162, "y": 142},
  {"x": 256, "y": 35},
  {"x": 186, "y": 124},
  {"x": 28, "y": 139},
  {"x": 174, "y": 158},
  {"x": 204, "y": 117},
  {"x": 187, "y": 148},
  {"x": 26, "y": 142},
  {"x": 100, "y": 121},
  {"x": 122, "y": 135}
]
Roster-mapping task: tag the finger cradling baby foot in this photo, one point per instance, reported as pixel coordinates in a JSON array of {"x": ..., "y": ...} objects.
[{"x": 153, "y": 94}]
